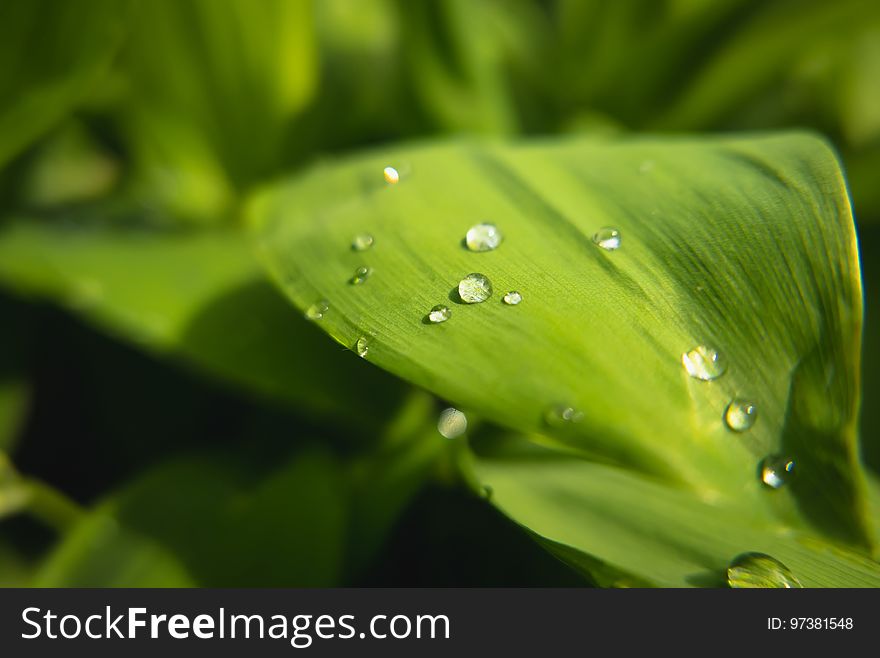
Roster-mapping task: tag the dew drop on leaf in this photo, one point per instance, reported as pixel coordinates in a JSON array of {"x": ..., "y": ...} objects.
[
  {"x": 776, "y": 470},
  {"x": 740, "y": 414},
  {"x": 362, "y": 242},
  {"x": 560, "y": 414},
  {"x": 317, "y": 310},
  {"x": 704, "y": 362},
  {"x": 362, "y": 346},
  {"x": 439, "y": 314},
  {"x": 607, "y": 237},
  {"x": 361, "y": 274},
  {"x": 757, "y": 570},
  {"x": 475, "y": 288},
  {"x": 512, "y": 298},
  {"x": 452, "y": 423},
  {"x": 391, "y": 175},
  {"x": 483, "y": 237}
]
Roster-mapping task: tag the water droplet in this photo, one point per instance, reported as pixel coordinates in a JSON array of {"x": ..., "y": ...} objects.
[
  {"x": 361, "y": 274},
  {"x": 776, "y": 470},
  {"x": 756, "y": 570},
  {"x": 316, "y": 311},
  {"x": 512, "y": 298},
  {"x": 362, "y": 346},
  {"x": 362, "y": 242},
  {"x": 560, "y": 414},
  {"x": 483, "y": 237},
  {"x": 488, "y": 492},
  {"x": 452, "y": 423},
  {"x": 474, "y": 288},
  {"x": 704, "y": 362},
  {"x": 741, "y": 414},
  {"x": 439, "y": 314},
  {"x": 607, "y": 237},
  {"x": 391, "y": 175}
]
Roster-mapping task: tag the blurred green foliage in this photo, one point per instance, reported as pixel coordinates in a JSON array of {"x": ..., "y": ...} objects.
[{"x": 177, "y": 401}]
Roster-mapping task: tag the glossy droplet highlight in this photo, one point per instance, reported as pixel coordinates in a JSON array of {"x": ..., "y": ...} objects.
[
  {"x": 474, "y": 288},
  {"x": 362, "y": 242},
  {"x": 607, "y": 237},
  {"x": 740, "y": 414},
  {"x": 560, "y": 414},
  {"x": 704, "y": 362},
  {"x": 360, "y": 275},
  {"x": 362, "y": 346},
  {"x": 439, "y": 314},
  {"x": 757, "y": 570},
  {"x": 483, "y": 237},
  {"x": 452, "y": 423},
  {"x": 392, "y": 176},
  {"x": 317, "y": 310},
  {"x": 776, "y": 470},
  {"x": 512, "y": 298}
]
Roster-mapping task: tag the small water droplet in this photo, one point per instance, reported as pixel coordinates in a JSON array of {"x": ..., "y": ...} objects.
[
  {"x": 741, "y": 414},
  {"x": 316, "y": 311},
  {"x": 361, "y": 274},
  {"x": 474, "y": 288},
  {"x": 483, "y": 237},
  {"x": 392, "y": 176},
  {"x": 439, "y": 314},
  {"x": 488, "y": 492},
  {"x": 607, "y": 237},
  {"x": 757, "y": 570},
  {"x": 776, "y": 470},
  {"x": 452, "y": 423},
  {"x": 362, "y": 242},
  {"x": 512, "y": 298},
  {"x": 704, "y": 362},
  {"x": 560, "y": 414},
  {"x": 362, "y": 346}
]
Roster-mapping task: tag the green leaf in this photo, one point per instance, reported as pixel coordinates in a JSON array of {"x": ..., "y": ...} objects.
[
  {"x": 200, "y": 295},
  {"x": 745, "y": 243},
  {"x": 661, "y": 534},
  {"x": 206, "y": 91},
  {"x": 52, "y": 51},
  {"x": 284, "y": 530},
  {"x": 98, "y": 552}
]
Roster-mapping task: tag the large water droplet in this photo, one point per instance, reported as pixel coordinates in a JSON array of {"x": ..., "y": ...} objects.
[
  {"x": 362, "y": 242},
  {"x": 483, "y": 237},
  {"x": 756, "y": 570},
  {"x": 392, "y": 176},
  {"x": 439, "y": 314},
  {"x": 512, "y": 298},
  {"x": 317, "y": 310},
  {"x": 452, "y": 423},
  {"x": 740, "y": 414},
  {"x": 704, "y": 362},
  {"x": 776, "y": 470},
  {"x": 362, "y": 346},
  {"x": 361, "y": 274},
  {"x": 607, "y": 237},
  {"x": 560, "y": 414},
  {"x": 474, "y": 288}
]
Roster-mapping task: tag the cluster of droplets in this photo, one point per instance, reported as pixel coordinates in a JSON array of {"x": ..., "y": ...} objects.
[
  {"x": 706, "y": 363},
  {"x": 703, "y": 362}
]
